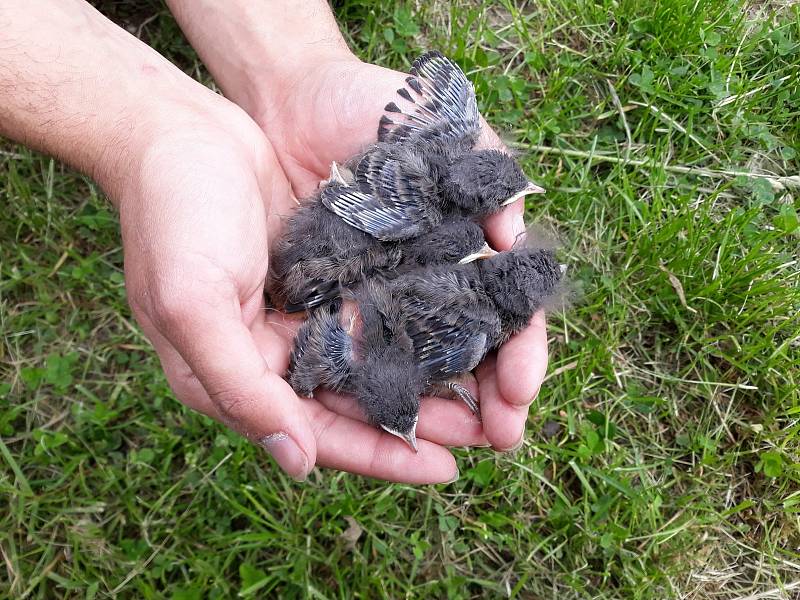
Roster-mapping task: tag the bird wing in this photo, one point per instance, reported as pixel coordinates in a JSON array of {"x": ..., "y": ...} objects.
[
  {"x": 315, "y": 293},
  {"x": 322, "y": 353},
  {"x": 444, "y": 347},
  {"x": 445, "y": 106},
  {"x": 446, "y": 325},
  {"x": 337, "y": 346},
  {"x": 389, "y": 201}
]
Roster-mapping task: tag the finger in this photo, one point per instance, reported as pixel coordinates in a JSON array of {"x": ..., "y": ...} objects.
[
  {"x": 449, "y": 423},
  {"x": 350, "y": 445},
  {"x": 488, "y": 138},
  {"x": 504, "y": 228},
  {"x": 503, "y": 423},
  {"x": 245, "y": 392},
  {"x": 443, "y": 422},
  {"x": 389, "y": 459},
  {"x": 522, "y": 363}
]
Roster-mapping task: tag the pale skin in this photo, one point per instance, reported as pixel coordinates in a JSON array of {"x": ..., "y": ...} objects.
[{"x": 202, "y": 184}]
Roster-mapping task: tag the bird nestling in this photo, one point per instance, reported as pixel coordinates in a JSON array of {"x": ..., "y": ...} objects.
[
  {"x": 374, "y": 253},
  {"x": 319, "y": 254},
  {"x": 391, "y": 341},
  {"x": 425, "y": 167}
]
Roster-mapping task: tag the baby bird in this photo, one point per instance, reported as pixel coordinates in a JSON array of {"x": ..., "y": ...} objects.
[
  {"x": 456, "y": 316},
  {"x": 319, "y": 253},
  {"x": 424, "y": 166},
  {"x": 421, "y": 332},
  {"x": 361, "y": 348}
]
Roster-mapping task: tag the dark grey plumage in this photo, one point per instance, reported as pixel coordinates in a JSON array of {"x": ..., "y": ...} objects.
[
  {"x": 423, "y": 330},
  {"x": 322, "y": 353},
  {"x": 424, "y": 166},
  {"x": 361, "y": 348},
  {"x": 319, "y": 253},
  {"x": 455, "y": 316}
]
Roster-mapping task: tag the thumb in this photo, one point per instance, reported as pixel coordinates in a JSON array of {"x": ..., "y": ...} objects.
[
  {"x": 503, "y": 229},
  {"x": 244, "y": 392}
]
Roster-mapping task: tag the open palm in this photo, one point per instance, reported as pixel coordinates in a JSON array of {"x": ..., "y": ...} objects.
[
  {"x": 197, "y": 222},
  {"x": 331, "y": 113}
]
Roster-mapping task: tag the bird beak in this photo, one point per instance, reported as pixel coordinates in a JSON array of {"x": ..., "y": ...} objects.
[
  {"x": 339, "y": 174},
  {"x": 531, "y": 188},
  {"x": 409, "y": 438},
  {"x": 336, "y": 174},
  {"x": 486, "y": 252}
]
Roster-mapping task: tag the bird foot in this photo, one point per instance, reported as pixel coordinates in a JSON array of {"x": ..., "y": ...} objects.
[{"x": 455, "y": 391}]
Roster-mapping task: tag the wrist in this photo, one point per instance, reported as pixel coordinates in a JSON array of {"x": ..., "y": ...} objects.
[
  {"x": 284, "y": 102},
  {"x": 264, "y": 91},
  {"x": 259, "y": 51}
]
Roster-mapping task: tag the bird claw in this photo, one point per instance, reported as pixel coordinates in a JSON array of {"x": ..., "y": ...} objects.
[{"x": 455, "y": 391}]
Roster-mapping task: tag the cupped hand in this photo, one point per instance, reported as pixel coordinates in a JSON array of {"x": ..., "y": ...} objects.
[
  {"x": 330, "y": 112},
  {"x": 200, "y": 197}
]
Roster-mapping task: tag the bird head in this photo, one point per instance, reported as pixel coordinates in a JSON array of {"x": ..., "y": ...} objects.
[
  {"x": 406, "y": 430},
  {"x": 455, "y": 240},
  {"x": 390, "y": 391},
  {"x": 483, "y": 182},
  {"x": 519, "y": 281}
]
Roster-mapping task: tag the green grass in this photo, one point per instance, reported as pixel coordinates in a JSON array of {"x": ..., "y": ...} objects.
[{"x": 662, "y": 454}]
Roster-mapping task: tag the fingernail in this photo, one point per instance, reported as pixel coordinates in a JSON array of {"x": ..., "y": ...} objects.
[
  {"x": 454, "y": 479},
  {"x": 513, "y": 448},
  {"x": 287, "y": 454}
]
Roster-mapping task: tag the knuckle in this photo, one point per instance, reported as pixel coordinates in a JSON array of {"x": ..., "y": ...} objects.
[
  {"x": 168, "y": 305},
  {"x": 233, "y": 403}
]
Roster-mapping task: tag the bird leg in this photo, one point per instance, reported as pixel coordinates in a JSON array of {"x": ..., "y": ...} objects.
[{"x": 454, "y": 390}]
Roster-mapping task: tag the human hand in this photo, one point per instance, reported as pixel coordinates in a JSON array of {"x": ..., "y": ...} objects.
[
  {"x": 199, "y": 204},
  {"x": 200, "y": 194},
  {"x": 330, "y": 112},
  {"x": 288, "y": 66}
]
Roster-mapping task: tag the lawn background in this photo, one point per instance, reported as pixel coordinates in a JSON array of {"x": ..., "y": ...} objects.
[{"x": 661, "y": 458}]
